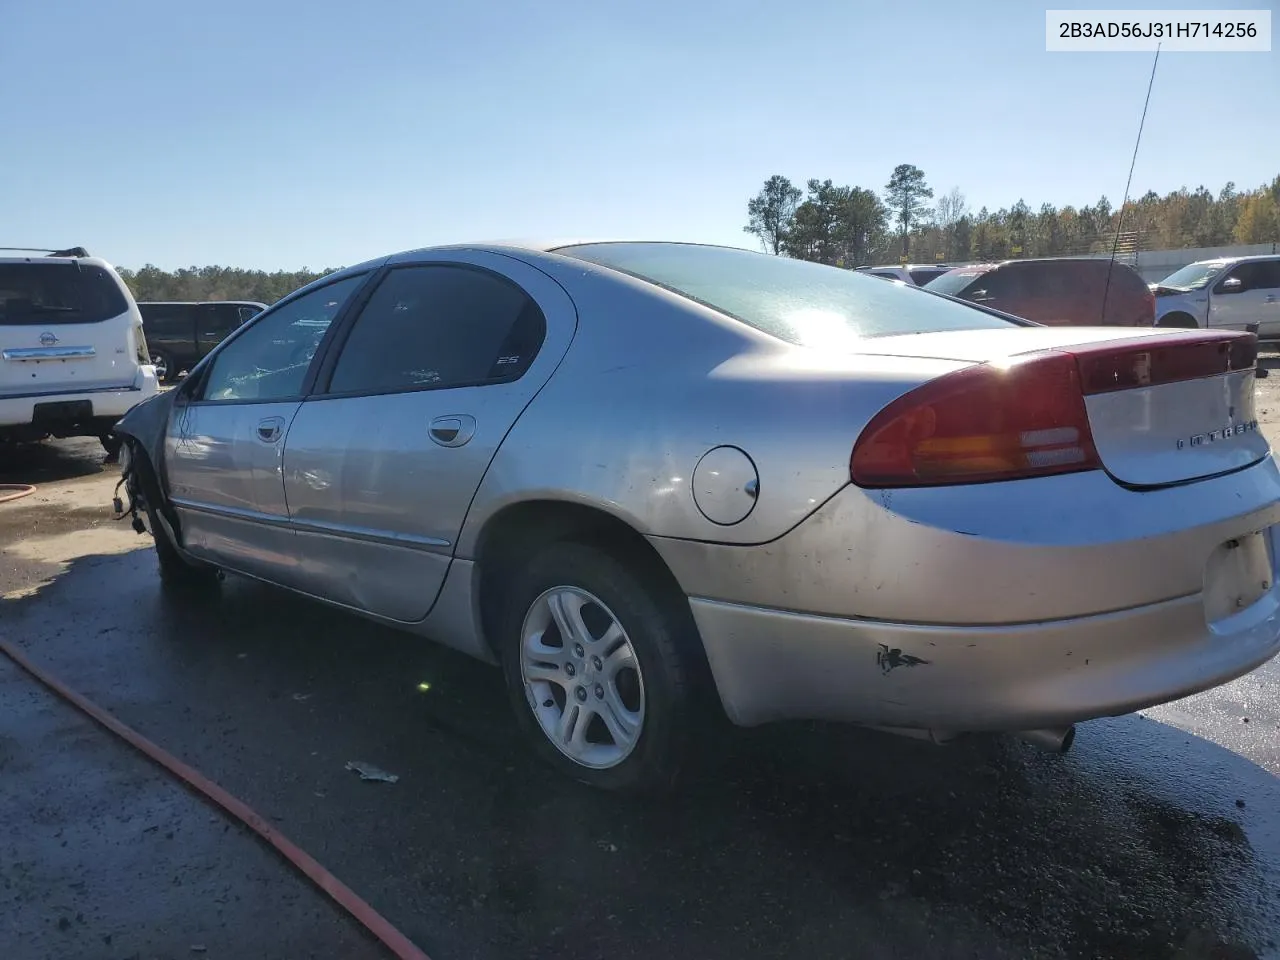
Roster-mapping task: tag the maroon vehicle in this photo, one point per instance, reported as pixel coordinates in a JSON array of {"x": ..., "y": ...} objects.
[{"x": 1056, "y": 291}]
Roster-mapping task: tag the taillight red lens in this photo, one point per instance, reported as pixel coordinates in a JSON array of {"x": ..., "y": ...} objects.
[
  {"x": 1148, "y": 318},
  {"x": 982, "y": 423},
  {"x": 1028, "y": 418},
  {"x": 1106, "y": 367}
]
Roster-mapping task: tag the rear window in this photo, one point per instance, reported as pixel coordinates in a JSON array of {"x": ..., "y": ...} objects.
[
  {"x": 921, "y": 277},
  {"x": 954, "y": 281},
  {"x": 49, "y": 293},
  {"x": 804, "y": 303}
]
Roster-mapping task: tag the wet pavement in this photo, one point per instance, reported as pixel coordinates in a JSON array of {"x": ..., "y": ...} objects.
[{"x": 1158, "y": 836}]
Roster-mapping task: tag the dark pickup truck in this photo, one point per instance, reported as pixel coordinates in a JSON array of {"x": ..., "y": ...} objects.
[{"x": 179, "y": 334}]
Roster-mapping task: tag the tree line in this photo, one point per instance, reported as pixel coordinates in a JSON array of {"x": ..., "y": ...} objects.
[
  {"x": 850, "y": 226},
  {"x": 216, "y": 283}
]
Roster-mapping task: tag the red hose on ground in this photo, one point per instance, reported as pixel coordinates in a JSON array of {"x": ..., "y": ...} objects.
[
  {"x": 395, "y": 941},
  {"x": 13, "y": 491}
]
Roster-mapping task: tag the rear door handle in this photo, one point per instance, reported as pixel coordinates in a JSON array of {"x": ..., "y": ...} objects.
[
  {"x": 1269, "y": 298},
  {"x": 454, "y": 430},
  {"x": 269, "y": 430}
]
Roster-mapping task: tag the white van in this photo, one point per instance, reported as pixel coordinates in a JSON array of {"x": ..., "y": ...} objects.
[{"x": 73, "y": 357}]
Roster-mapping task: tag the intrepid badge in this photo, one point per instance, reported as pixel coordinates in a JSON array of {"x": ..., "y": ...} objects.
[{"x": 1212, "y": 436}]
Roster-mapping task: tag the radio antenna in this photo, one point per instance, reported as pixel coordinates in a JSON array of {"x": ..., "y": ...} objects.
[{"x": 1128, "y": 183}]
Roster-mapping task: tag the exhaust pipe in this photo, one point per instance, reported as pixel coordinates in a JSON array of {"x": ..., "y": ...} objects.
[{"x": 1054, "y": 740}]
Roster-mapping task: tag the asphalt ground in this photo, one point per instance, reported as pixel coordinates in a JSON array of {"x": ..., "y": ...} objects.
[{"x": 1157, "y": 836}]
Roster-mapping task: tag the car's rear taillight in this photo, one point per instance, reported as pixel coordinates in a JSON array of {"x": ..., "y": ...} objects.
[
  {"x": 982, "y": 423},
  {"x": 1026, "y": 417},
  {"x": 1148, "y": 316}
]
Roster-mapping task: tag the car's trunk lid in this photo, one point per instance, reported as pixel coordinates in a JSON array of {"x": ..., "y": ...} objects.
[{"x": 1164, "y": 407}]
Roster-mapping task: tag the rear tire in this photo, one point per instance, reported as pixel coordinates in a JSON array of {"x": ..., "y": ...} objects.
[
  {"x": 611, "y": 706},
  {"x": 1181, "y": 321}
]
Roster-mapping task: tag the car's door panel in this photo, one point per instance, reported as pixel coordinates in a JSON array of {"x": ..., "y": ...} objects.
[
  {"x": 225, "y": 445},
  {"x": 1248, "y": 304},
  {"x": 224, "y": 463},
  {"x": 379, "y": 484}
]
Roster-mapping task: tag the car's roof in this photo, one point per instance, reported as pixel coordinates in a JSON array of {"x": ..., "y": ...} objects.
[
  {"x": 196, "y": 303},
  {"x": 93, "y": 261},
  {"x": 1225, "y": 260}
]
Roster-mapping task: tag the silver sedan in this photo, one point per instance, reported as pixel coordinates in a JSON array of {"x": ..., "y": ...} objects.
[{"x": 648, "y": 477}]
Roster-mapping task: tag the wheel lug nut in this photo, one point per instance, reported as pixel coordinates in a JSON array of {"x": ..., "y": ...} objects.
[
  {"x": 596, "y": 662},
  {"x": 577, "y": 650},
  {"x": 599, "y": 692},
  {"x": 570, "y": 669},
  {"x": 581, "y": 694}
]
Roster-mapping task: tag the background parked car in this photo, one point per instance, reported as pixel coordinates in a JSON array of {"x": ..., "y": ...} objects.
[
  {"x": 180, "y": 333},
  {"x": 1056, "y": 291},
  {"x": 73, "y": 357},
  {"x": 916, "y": 274},
  {"x": 1229, "y": 292}
]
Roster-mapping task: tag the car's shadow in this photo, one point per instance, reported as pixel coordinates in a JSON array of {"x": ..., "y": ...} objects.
[
  {"x": 801, "y": 838},
  {"x": 51, "y": 460}
]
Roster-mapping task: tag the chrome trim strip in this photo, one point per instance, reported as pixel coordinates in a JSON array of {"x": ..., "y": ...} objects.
[
  {"x": 369, "y": 535},
  {"x": 323, "y": 528},
  {"x": 233, "y": 513},
  {"x": 62, "y": 391},
  {"x": 49, "y": 353}
]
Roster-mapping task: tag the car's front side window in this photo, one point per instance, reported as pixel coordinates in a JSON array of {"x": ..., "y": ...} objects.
[
  {"x": 435, "y": 326},
  {"x": 1246, "y": 273},
  {"x": 269, "y": 360}
]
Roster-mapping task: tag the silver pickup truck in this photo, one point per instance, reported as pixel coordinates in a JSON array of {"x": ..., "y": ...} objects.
[{"x": 1229, "y": 293}]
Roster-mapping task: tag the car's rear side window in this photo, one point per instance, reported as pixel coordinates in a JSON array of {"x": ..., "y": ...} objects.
[
  {"x": 804, "y": 303},
  {"x": 50, "y": 293},
  {"x": 438, "y": 325},
  {"x": 169, "y": 319},
  {"x": 923, "y": 276},
  {"x": 954, "y": 283}
]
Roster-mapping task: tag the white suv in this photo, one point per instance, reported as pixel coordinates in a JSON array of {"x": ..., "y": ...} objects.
[{"x": 73, "y": 358}]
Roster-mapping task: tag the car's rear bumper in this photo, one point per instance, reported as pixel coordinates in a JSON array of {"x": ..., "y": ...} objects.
[
  {"x": 993, "y": 606},
  {"x": 26, "y": 410},
  {"x": 773, "y": 664}
]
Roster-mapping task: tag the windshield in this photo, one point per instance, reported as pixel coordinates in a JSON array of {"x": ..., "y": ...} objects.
[
  {"x": 46, "y": 293},
  {"x": 804, "y": 303},
  {"x": 954, "y": 281},
  {"x": 1193, "y": 276}
]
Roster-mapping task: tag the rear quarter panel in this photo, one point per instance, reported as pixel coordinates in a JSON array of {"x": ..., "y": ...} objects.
[{"x": 652, "y": 382}]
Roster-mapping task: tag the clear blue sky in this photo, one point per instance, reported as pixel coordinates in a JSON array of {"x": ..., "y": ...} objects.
[{"x": 278, "y": 134}]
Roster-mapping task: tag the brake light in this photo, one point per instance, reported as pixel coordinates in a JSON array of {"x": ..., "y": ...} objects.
[
  {"x": 979, "y": 424},
  {"x": 1027, "y": 418},
  {"x": 1148, "y": 318}
]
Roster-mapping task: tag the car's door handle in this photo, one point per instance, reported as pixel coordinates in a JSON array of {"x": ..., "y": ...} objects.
[
  {"x": 1269, "y": 298},
  {"x": 453, "y": 430},
  {"x": 269, "y": 430}
]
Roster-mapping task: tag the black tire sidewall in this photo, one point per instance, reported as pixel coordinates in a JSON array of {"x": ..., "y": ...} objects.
[{"x": 655, "y": 629}]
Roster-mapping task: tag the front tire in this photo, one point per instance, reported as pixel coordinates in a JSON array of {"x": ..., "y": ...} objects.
[
  {"x": 175, "y": 571},
  {"x": 1180, "y": 321},
  {"x": 597, "y": 664}
]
